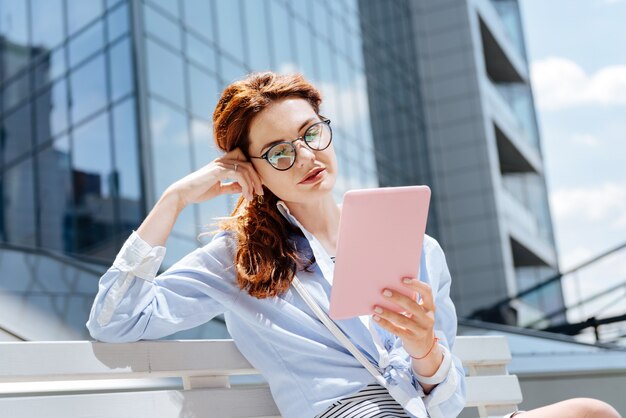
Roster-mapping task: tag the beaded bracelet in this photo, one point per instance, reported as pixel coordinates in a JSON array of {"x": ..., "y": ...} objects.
[{"x": 429, "y": 350}]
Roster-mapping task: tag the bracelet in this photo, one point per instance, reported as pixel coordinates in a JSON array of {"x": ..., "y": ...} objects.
[
  {"x": 429, "y": 350},
  {"x": 441, "y": 374}
]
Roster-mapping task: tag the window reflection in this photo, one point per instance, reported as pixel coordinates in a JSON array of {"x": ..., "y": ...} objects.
[
  {"x": 81, "y": 12},
  {"x": 120, "y": 62},
  {"x": 16, "y": 91},
  {"x": 55, "y": 193},
  {"x": 13, "y": 21},
  {"x": 162, "y": 27},
  {"x": 91, "y": 226},
  {"x": 88, "y": 89},
  {"x": 51, "y": 108},
  {"x": 86, "y": 43},
  {"x": 47, "y": 22},
  {"x": 127, "y": 166},
  {"x": 280, "y": 33},
  {"x": 304, "y": 52},
  {"x": 198, "y": 16},
  {"x": 19, "y": 205},
  {"x": 204, "y": 92},
  {"x": 165, "y": 73},
  {"x": 16, "y": 133},
  {"x": 200, "y": 52},
  {"x": 229, "y": 28},
  {"x": 257, "y": 32},
  {"x": 170, "y": 155},
  {"x": 117, "y": 22},
  {"x": 205, "y": 151},
  {"x": 170, "y": 6}
]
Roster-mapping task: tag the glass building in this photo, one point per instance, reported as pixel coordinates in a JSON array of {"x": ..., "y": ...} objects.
[{"x": 105, "y": 103}]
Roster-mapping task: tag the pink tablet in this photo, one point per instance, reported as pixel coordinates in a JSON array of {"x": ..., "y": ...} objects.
[{"x": 380, "y": 238}]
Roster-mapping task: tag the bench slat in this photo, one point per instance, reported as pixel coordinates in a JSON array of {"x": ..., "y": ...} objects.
[
  {"x": 237, "y": 402},
  {"x": 482, "y": 350},
  {"x": 493, "y": 390},
  {"x": 75, "y": 360}
]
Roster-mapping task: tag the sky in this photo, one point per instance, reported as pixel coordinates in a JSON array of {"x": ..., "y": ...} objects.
[{"x": 577, "y": 58}]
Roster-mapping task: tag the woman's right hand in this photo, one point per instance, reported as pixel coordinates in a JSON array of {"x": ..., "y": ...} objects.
[{"x": 205, "y": 183}]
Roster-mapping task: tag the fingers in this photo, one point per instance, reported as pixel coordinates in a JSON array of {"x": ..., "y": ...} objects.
[
  {"x": 245, "y": 174},
  {"x": 252, "y": 176},
  {"x": 231, "y": 188},
  {"x": 425, "y": 291}
]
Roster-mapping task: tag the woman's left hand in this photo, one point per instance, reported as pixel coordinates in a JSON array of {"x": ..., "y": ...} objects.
[{"x": 415, "y": 327}]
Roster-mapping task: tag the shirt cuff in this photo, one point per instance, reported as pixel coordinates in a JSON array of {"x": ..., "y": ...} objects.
[
  {"x": 140, "y": 258},
  {"x": 444, "y": 390}
]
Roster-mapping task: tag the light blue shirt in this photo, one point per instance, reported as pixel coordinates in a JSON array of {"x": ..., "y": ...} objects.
[{"x": 306, "y": 367}]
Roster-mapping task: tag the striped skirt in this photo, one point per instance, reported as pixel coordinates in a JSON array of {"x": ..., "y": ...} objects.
[{"x": 372, "y": 401}]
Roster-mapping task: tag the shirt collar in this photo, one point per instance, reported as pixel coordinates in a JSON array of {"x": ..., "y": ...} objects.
[{"x": 284, "y": 210}]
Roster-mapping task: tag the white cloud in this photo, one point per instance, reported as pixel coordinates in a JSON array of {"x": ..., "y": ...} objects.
[
  {"x": 586, "y": 139},
  {"x": 604, "y": 204},
  {"x": 560, "y": 83}
]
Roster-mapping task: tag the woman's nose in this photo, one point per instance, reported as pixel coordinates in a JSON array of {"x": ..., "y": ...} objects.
[{"x": 303, "y": 154}]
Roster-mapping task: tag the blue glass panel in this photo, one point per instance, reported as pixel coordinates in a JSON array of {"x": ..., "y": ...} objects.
[
  {"x": 120, "y": 66},
  {"x": 88, "y": 89},
  {"x": 303, "y": 39},
  {"x": 170, "y": 6},
  {"x": 200, "y": 52},
  {"x": 199, "y": 17},
  {"x": 17, "y": 133},
  {"x": 92, "y": 228},
  {"x": 171, "y": 155},
  {"x": 81, "y": 12},
  {"x": 55, "y": 193},
  {"x": 14, "y": 21},
  {"x": 281, "y": 35},
  {"x": 162, "y": 27},
  {"x": 165, "y": 73},
  {"x": 170, "y": 145},
  {"x": 51, "y": 111},
  {"x": 229, "y": 28},
  {"x": 19, "y": 204},
  {"x": 127, "y": 165},
  {"x": 258, "y": 35},
  {"x": 204, "y": 92},
  {"x": 205, "y": 151},
  {"x": 117, "y": 22},
  {"x": 47, "y": 22},
  {"x": 86, "y": 43},
  {"x": 16, "y": 91}
]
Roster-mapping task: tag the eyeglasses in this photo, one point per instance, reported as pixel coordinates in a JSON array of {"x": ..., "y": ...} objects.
[{"x": 282, "y": 155}]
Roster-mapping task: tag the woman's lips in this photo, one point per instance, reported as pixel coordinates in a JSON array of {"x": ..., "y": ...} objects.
[{"x": 314, "y": 178}]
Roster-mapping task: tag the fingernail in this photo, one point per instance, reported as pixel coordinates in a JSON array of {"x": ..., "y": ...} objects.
[
  {"x": 387, "y": 292},
  {"x": 378, "y": 309},
  {"x": 407, "y": 280},
  {"x": 376, "y": 318}
]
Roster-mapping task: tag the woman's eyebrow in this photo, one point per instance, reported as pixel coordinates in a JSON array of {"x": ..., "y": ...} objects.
[{"x": 269, "y": 144}]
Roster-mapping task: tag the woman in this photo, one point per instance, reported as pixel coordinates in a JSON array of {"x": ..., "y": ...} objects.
[{"x": 246, "y": 271}]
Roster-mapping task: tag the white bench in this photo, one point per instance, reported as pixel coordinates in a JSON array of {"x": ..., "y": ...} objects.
[{"x": 143, "y": 379}]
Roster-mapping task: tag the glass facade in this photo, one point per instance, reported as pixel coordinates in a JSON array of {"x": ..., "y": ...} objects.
[
  {"x": 193, "y": 49},
  {"x": 91, "y": 90},
  {"x": 69, "y": 166}
]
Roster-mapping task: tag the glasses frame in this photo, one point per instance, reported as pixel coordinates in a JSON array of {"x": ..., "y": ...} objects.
[{"x": 291, "y": 144}]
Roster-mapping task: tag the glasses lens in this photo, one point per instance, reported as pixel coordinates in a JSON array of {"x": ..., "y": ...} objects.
[
  {"x": 318, "y": 136},
  {"x": 281, "y": 156}
]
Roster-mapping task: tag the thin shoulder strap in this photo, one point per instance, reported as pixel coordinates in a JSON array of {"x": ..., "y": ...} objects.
[{"x": 328, "y": 322}]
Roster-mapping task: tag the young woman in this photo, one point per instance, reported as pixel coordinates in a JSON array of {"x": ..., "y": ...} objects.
[{"x": 279, "y": 148}]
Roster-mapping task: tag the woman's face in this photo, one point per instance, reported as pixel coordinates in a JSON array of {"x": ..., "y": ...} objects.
[{"x": 286, "y": 120}]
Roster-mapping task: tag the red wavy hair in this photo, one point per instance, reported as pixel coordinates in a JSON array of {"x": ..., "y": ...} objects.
[{"x": 266, "y": 258}]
